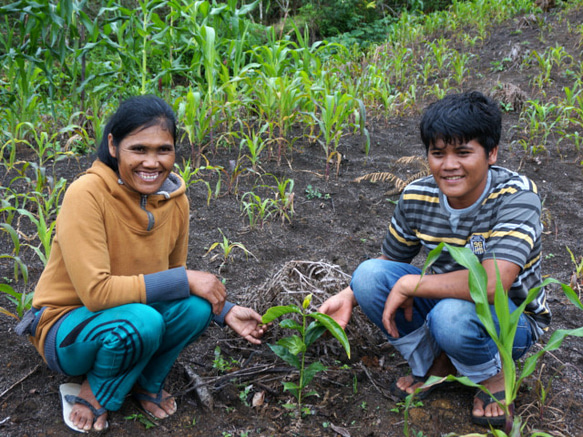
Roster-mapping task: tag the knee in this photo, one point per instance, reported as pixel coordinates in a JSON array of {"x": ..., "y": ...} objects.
[
  {"x": 195, "y": 313},
  {"x": 452, "y": 323},
  {"x": 367, "y": 279},
  {"x": 140, "y": 324}
]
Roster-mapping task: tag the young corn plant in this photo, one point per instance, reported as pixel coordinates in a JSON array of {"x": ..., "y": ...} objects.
[
  {"x": 22, "y": 300},
  {"x": 333, "y": 114},
  {"x": 293, "y": 349},
  {"x": 189, "y": 174},
  {"x": 258, "y": 210},
  {"x": 577, "y": 277},
  {"x": 227, "y": 247},
  {"x": 504, "y": 336}
]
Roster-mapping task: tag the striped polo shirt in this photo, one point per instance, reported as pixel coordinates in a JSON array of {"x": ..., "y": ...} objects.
[{"x": 503, "y": 224}]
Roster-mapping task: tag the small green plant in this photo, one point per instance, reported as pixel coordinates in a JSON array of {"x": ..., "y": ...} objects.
[
  {"x": 258, "y": 210},
  {"x": 227, "y": 248},
  {"x": 293, "y": 349},
  {"x": 244, "y": 395},
  {"x": 315, "y": 193},
  {"x": 139, "y": 417},
  {"x": 578, "y": 264},
  {"x": 223, "y": 364}
]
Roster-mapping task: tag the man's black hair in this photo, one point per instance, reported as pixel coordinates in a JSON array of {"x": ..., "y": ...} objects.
[
  {"x": 138, "y": 112},
  {"x": 460, "y": 118}
]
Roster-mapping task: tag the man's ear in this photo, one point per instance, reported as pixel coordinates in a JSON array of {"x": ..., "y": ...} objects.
[
  {"x": 112, "y": 148},
  {"x": 493, "y": 156}
]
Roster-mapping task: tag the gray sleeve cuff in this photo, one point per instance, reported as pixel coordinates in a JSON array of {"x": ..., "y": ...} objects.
[
  {"x": 219, "y": 319},
  {"x": 167, "y": 285}
]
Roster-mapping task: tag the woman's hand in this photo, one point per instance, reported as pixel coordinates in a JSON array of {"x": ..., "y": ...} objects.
[
  {"x": 247, "y": 323},
  {"x": 339, "y": 307},
  {"x": 207, "y": 286}
]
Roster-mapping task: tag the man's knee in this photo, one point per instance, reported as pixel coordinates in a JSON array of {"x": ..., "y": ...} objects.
[
  {"x": 453, "y": 316},
  {"x": 367, "y": 279}
]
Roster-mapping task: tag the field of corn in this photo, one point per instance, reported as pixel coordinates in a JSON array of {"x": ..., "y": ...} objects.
[{"x": 294, "y": 152}]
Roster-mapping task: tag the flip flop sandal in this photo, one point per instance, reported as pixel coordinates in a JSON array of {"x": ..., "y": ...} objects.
[
  {"x": 157, "y": 400},
  {"x": 402, "y": 394},
  {"x": 69, "y": 397},
  {"x": 495, "y": 421}
]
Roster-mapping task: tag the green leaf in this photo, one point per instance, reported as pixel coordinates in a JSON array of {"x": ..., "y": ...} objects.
[
  {"x": 278, "y": 311},
  {"x": 572, "y": 296},
  {"x": 291, "y": 324},
  {"x": 314, "y": 332},
  {"x": 293, "y": 344},
  {"x": 334, "y": 328},
  {"x": 311, "y": 371},
  {"x": 285, "y": 355},
  {"x": 292, "y": 388}
]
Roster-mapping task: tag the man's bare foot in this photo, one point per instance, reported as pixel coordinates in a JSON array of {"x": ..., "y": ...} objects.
[
  {"x": 161, "y": 404},
  {"x": 494, "y": 384},
  {"x": 82, "y": 417},
  {"x": 442, "y": 366}
]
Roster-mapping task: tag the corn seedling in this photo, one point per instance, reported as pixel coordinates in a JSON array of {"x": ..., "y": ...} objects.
[
  {"x": 284, "y": 198},
  {"x": 508, "y": 323},
  {"x": 227, "y": 247},
  {"x": 44, "y": 230},
  {"x": 333, "y": 115},
  {"x": 293, "y": 349},
  {"x": 577, "y": 276},
  {"x": 258, "y": 210}
]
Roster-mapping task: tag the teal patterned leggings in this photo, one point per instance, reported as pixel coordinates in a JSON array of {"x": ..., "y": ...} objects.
[{"x": 134, "y": 343}]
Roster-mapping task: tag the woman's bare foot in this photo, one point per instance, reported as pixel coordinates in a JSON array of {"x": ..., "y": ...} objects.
[
  {"x": 159, "y": 408},
  {"x": 494, "y": 384},
  {"x": 442, "y": 366},
  {"x": 82, "y": 417}
]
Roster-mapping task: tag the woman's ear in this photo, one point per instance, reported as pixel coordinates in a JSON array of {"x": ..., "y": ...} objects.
[{"x": 112, "y": 148}]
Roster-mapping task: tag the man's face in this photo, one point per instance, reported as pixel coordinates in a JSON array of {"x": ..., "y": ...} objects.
[{"x": 460, "y": 170}]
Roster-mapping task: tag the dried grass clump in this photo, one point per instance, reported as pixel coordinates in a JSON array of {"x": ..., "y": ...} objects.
[{"x": 295, "y": 280}]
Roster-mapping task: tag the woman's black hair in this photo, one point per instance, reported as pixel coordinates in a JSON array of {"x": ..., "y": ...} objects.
[
  {"x": 135, "y": 113},
  {"x": 460, "y": 118}
]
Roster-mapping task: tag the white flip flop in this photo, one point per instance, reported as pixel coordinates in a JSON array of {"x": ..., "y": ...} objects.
[{"x": 69, "y": 397}]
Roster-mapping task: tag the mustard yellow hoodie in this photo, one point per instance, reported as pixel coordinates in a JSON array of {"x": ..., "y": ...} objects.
[{"x": 107, "y": 238}]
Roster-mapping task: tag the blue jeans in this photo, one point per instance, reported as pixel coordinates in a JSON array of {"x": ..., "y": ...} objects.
[
  {"x": 134, "y": 343},
  {"x": 439, "y": 325}
]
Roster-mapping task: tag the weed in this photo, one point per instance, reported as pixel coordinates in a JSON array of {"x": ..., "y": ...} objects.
[
  {"x": 139, "y": 417},
  {"x": 223, "y": 364},
  {"x": 315, "y": 193}
]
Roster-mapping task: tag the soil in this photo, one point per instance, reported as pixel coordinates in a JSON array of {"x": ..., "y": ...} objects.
[{"x": 326, "y": 240}]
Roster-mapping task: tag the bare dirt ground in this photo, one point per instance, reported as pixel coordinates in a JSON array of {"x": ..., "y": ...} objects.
[{"x": 342, "y": 228}]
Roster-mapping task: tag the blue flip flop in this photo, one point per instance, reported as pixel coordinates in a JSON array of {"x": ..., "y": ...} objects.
[
  {"x": 157, "y": 400},
  {"x": 69, "y": 396}
]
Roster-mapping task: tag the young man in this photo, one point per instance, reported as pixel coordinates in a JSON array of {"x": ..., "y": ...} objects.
[{"x": 466, "y": 202}]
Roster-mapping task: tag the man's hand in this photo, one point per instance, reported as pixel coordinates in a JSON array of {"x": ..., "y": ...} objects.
[
  {"x": 339, "y": 307},
  {"x": 207, "y": 286},
  {"x": 401, "y": 296},
  {"x": 247, "y": 323}
]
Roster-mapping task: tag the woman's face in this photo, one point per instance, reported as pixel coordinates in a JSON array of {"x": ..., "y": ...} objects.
[{"x": 145, "y": 158}]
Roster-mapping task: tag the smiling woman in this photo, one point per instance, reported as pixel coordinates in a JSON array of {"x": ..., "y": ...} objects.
[
  {"x": 116, "y": 303},
  {"x": 145, "y": 158}
]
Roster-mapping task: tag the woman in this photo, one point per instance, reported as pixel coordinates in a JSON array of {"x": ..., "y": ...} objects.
[{"x": 115, "y": 302}]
